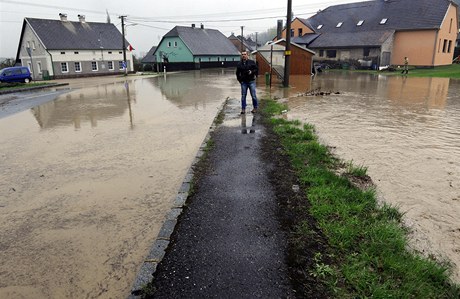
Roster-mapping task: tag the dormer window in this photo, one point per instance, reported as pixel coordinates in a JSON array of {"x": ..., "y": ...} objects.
[
  {"x": 339, "y": 25},
  {"x": 383, "y": 21},
  {"x": 360, "y": 23},
  {"x": 319, "y": 26}
]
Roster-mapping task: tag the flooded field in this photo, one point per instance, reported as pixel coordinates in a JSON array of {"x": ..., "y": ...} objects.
[
  {"x": 407, "y": 132},
  {"x": 87, "y": 178}
]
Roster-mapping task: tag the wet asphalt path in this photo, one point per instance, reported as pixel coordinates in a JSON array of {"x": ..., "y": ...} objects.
[{"x": 228, "y": 242}]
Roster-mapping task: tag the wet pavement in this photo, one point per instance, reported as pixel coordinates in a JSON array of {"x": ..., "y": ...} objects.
[{"x": 228, "y": 242}]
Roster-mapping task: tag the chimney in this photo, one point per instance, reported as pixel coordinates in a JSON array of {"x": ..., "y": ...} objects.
[
  {"x": 202, "y": 26},
  {"x": 193, "y": 25},
  {"x": 63, "y": 17},
  {"x": 279, "y": 29},
  {"x": 81, "y": 18}
]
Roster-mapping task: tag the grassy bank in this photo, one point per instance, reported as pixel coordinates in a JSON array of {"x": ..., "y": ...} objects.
[
  {"x": 367, "y": 254},
  {"x": 12, "y": 86},
  {"x": 448, "y": 71}
]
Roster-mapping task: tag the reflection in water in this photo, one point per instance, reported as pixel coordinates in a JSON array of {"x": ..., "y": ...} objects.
[
  {"x": 407, "y": 131},
  {"x": 86, "y": 105}
]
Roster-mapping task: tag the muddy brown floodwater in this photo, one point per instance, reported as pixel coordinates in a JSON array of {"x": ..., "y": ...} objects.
[
  {"x": 87, "y": 179},
  {"x": 407, "y": 132}
]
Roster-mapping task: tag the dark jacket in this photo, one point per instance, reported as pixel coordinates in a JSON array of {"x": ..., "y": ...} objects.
[{"x": 246, "y": 71}]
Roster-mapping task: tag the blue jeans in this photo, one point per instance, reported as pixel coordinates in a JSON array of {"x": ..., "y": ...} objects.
[{"x": 244, "y": 91}]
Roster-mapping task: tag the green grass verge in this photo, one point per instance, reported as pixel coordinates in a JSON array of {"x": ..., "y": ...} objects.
[
  {"x": 447, "y": 71},
  {"x": 368, "y": 244},
  {"x": 9, "y": 86}
]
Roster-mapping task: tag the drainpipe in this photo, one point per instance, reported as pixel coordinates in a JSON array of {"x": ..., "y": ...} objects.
[
  {"x": 434, "y": 50},
  {"x": 52, "y": 64}
]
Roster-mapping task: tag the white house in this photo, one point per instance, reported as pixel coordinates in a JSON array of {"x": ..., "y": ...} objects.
[{"x": 62, "y": 48}]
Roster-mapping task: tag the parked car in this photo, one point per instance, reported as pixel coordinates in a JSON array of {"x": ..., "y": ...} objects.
[{"x": 15, "y": 74}]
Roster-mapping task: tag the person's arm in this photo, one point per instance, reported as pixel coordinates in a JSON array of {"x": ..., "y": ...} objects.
[{"x": 238, "y": 73}]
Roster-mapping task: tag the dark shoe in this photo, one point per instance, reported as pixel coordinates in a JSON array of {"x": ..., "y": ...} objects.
[
  {"x": 254, "y": 110},
  {"x": 243, "y": 112}
]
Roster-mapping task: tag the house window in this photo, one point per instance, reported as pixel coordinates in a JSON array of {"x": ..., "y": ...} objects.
[
  {"x": 321, "y": 53},
  {"x": 63, "y": 53},
  {"x": 77, "y": 67},
  {"x": 339, "y": 24},
  {"x": 444, "y": 46},
  {"x": 39, "y": 67},
  {"x": 383, "y": 21},
  {"x": 169, "y": 44},
  {"x": 94, "y": 66},
  {"x": 450, "y": 26},
  {"x": 292, "y": 32},
  {"x": 28, "y": 45},
  {"x": 110, "y": 65},
  {"x": 110, "y": 52},
  {"x": 300, "y": 31},
  {"x": 64, "y": 67},
  {"x": 29, "y": 65},
  {"x": 175, "y": 44},
  {"x": 449, "y": 46},
  {"x": 76, "y": 52},
  {"x": 319, "y": 26},
  {"x": 120, "y": 65},
  {"x": 360, "y": 23},
  {"x": 366, "y": 52},
  {"x": 331, "y": 53},
  {"x": 199, "y": 60},
  {"x": 33, "y": 42},
  {"x": 120, "y": 52},
  {"x": 218, "y": 58}
]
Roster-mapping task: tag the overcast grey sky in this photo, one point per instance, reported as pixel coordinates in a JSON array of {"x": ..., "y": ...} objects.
[{"x": 153, "y": 19}]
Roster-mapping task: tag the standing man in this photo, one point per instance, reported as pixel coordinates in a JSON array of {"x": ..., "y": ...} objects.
[
  {"x": 406, "y": 65},
  {"x": 246, "y": 73}
]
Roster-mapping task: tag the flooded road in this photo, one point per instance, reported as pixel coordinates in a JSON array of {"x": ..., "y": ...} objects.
[
  {"x": 87, "y": 178},
  {"x": 407, "y": 131}
]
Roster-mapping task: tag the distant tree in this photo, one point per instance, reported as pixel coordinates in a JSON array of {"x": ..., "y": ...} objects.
[
  {"x": 263, "y": 37},
  {"x": 137, "y": 63},
  {"x": 7, "y": 62}
]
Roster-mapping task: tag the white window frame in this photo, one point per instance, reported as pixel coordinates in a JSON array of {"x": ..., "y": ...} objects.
[
  {"x": 169, "y": 44},
  {"x": 39, "y": 67},
  {"x": 110, "y": 65},
  {"x": 66, "y": 67},
  {"x": 29, "y": 65},
  {"x": 79, "y": 66},
  {"x": 33, "y": 45},
  {"x": 28, "y": 44},
  {"x": 175, "y": 44},
  {"x": 92, "y": 66}
]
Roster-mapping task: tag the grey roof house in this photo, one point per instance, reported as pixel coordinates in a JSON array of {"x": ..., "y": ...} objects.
[
  {"x": 63, "y": 48},
  {"x": 248, "y": 43},
  {"x": 195, "y": 47},
  {"x": 384, "y": 31}
]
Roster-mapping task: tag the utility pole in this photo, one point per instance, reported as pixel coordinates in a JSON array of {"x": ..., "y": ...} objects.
[
  {"x": 241, "y": 41},
  {"x": 256, "y": 40},
  {"x": 287, "y": 53},
  {"x": 125, "y": 63}
]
